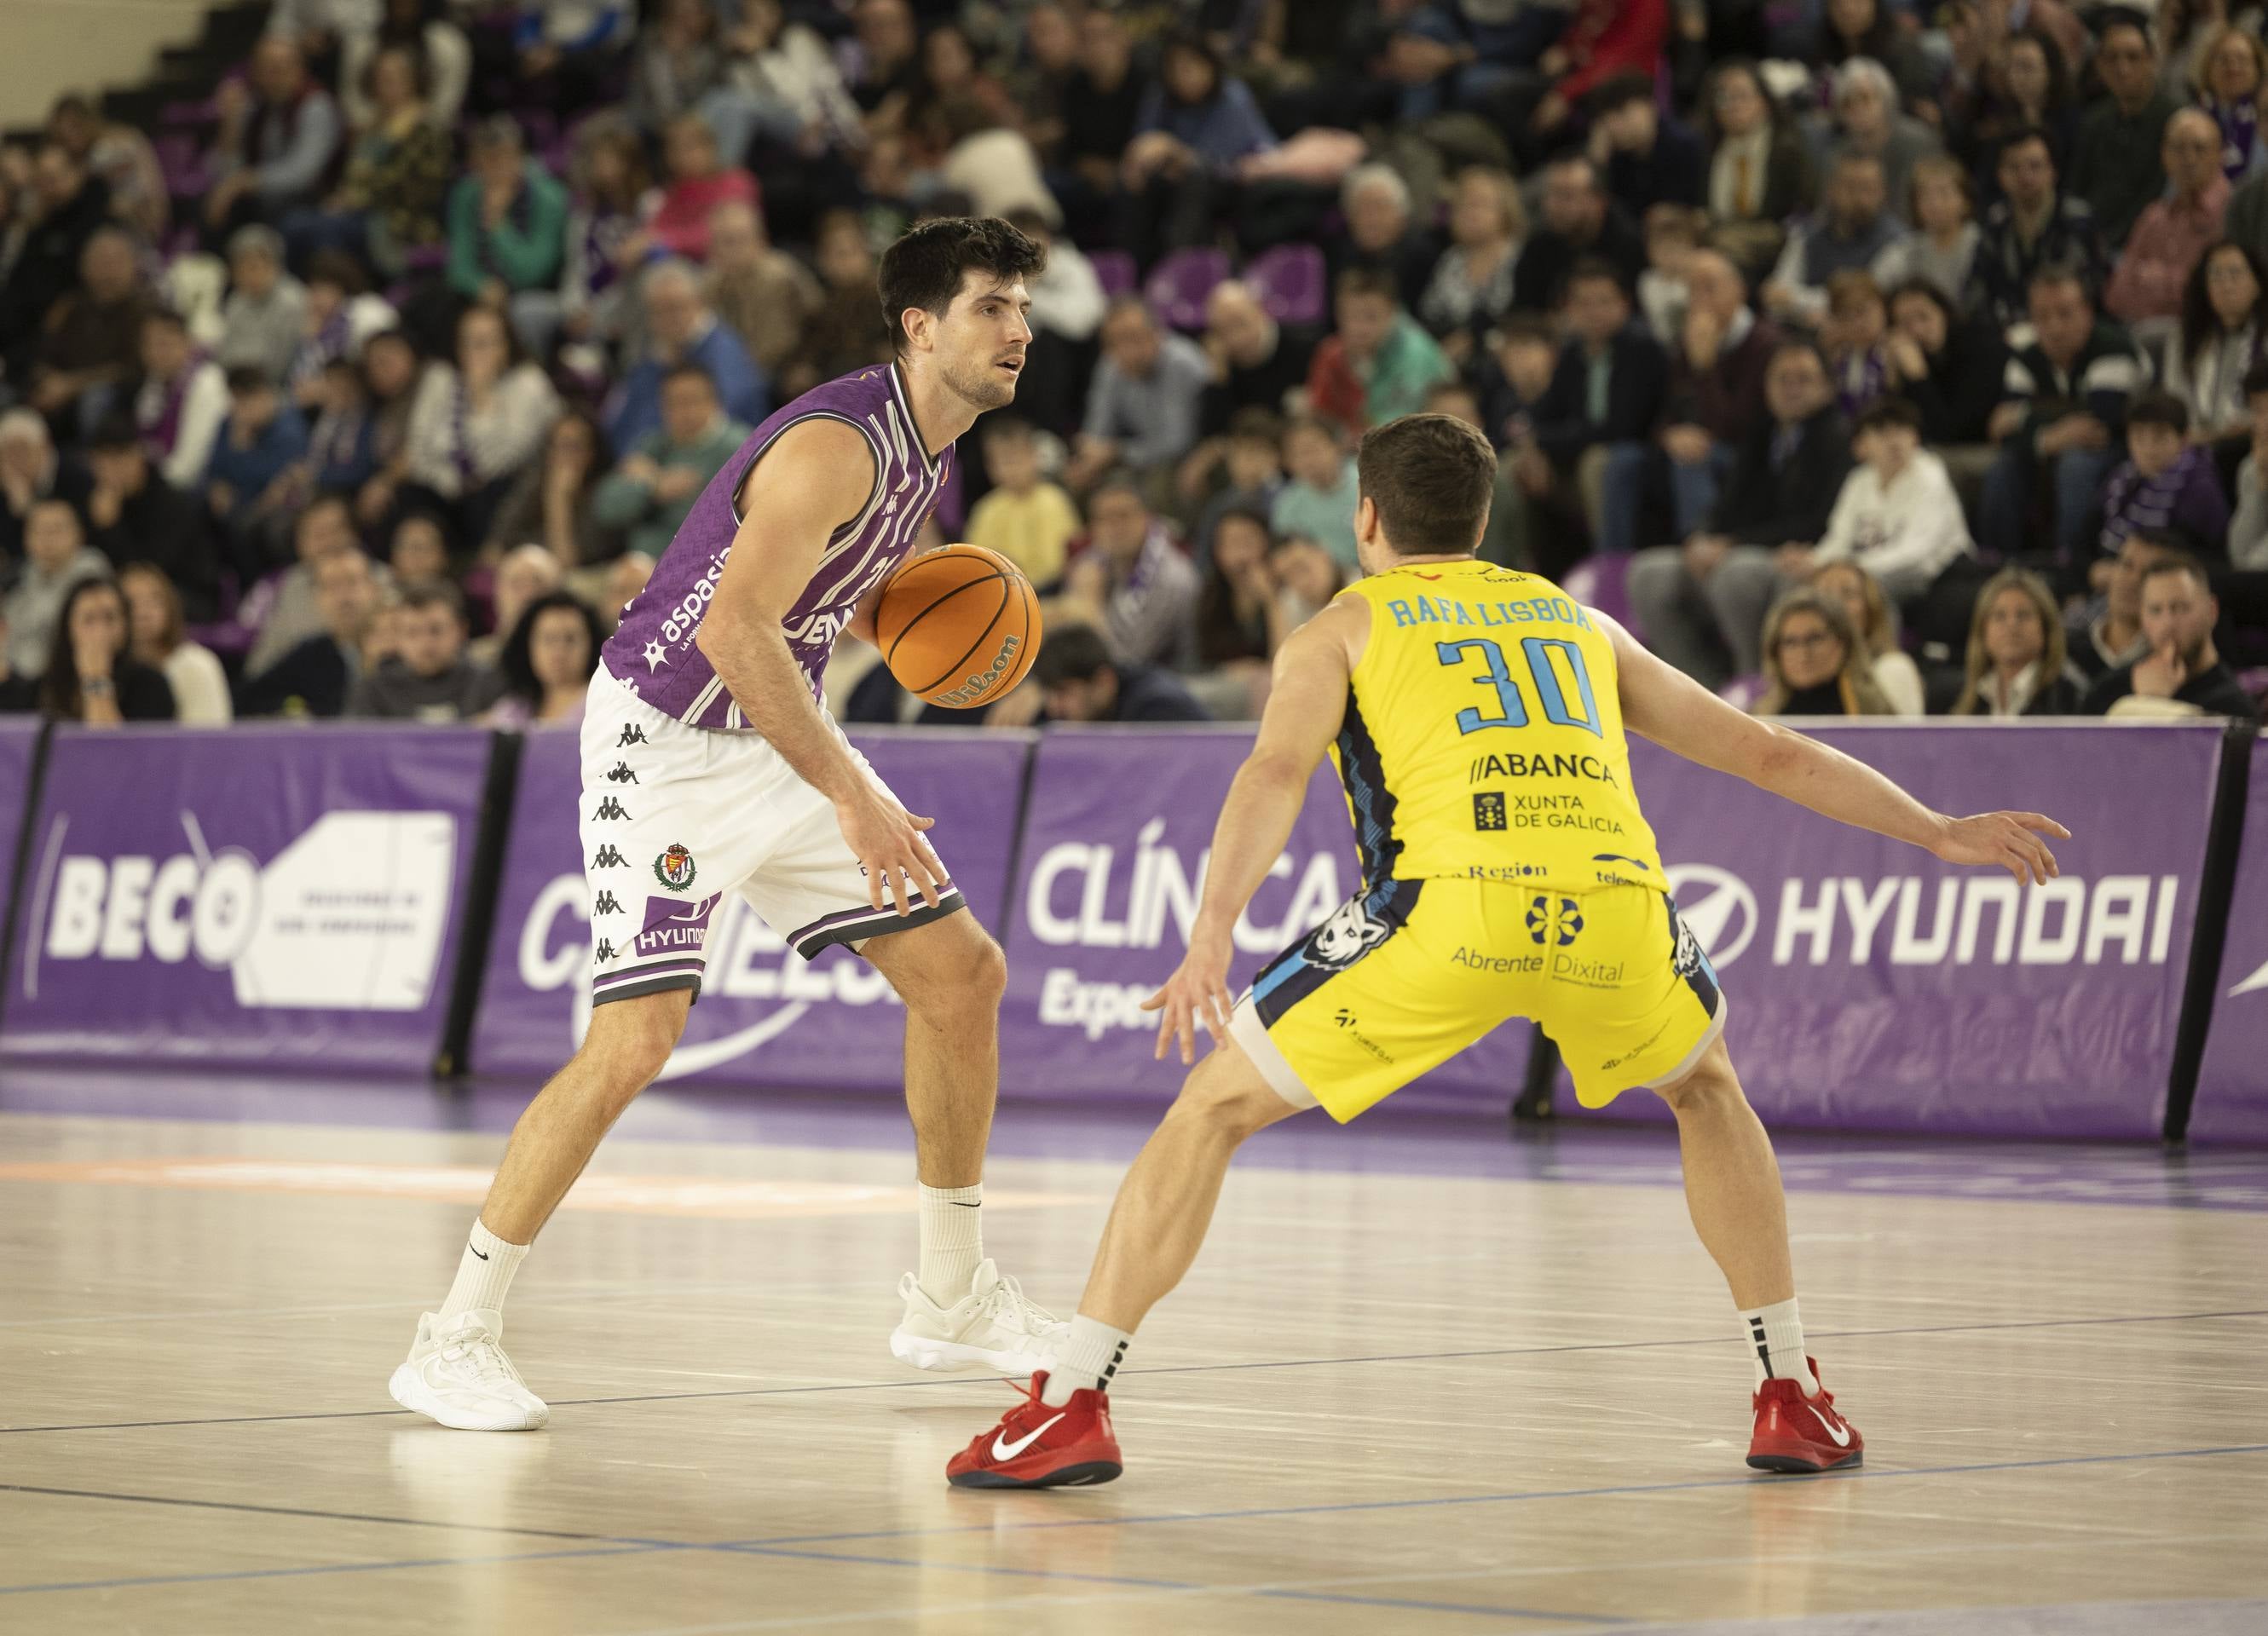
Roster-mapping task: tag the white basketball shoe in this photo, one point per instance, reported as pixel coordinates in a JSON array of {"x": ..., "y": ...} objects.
[
  {"x": 457, "y": 1374},
  {"x": 994, "y": 1326}
]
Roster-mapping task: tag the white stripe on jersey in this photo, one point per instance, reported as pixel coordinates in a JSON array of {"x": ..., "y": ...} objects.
[{"x": 707, "y": 696}]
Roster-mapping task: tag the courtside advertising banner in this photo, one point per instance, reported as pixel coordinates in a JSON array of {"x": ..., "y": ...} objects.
[
  {"x": 19, "y": 737},
  {"x": 274, "y": 896},
  {"x": 2231, "y": 1093},
  {"x": 766, "y": 1016},
  {"x": 1116, "y": 839},
  {"x": 1874, "y": 987}
]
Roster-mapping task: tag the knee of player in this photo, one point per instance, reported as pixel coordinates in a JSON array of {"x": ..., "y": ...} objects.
[
  {"x": 970, "y": 982},
  {"x": 1214, "y": 1100},
  {"x": 1711, "y": 1085},
  {"x": 631, "y": 1046}
]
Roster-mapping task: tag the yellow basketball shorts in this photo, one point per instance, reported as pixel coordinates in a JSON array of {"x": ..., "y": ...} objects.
[{"x": 1408, "y": 972}]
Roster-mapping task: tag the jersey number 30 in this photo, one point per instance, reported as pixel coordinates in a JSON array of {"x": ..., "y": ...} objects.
[{"x": 1544, "y": 674}]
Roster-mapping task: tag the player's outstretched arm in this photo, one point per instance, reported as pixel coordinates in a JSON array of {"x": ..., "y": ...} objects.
[
  {"x": 1306, "y": 706},
  {"x": 816, "y": 478},
  {"x": 1668, "y": 707}
]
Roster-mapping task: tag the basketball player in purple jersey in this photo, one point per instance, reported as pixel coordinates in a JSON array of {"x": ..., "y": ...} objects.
[{"x": 709, "y": 764}]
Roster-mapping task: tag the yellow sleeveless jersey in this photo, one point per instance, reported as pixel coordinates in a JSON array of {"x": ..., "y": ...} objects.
[{"x": 1484, "y": 736}]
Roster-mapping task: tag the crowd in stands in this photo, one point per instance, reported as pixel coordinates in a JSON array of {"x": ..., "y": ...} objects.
[{"x": 1868, "y": 357}]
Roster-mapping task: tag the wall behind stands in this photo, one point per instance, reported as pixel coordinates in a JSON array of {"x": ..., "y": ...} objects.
[
  {"x": 344, "y": 898},
  {"x": 54, "y": 45}
]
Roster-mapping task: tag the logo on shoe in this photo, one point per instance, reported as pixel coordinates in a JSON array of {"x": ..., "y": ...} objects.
[
  {"x": 1842, "y": 1438},
  {"x": 1003, "y": 1449}
]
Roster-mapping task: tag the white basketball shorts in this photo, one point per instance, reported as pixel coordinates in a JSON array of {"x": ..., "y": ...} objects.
[{"x": 674, "y": 817}]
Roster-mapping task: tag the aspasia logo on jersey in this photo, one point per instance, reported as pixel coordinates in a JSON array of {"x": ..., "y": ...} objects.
[{"x": 1095, "y": 895}]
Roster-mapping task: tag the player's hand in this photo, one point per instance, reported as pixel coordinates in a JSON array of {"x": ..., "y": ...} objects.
[
  {"x": 887, "y": 842},
  {"x": 1195, "y": 996},
  {"x": 2009, "y": 839}
]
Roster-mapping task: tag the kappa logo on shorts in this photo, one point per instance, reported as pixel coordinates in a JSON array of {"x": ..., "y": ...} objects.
[
  {"x": 622, "y": 775},
  {"x": 607, "y": 904},
  {"x": 674, "y": 868},
  {"x": 632, "y": 733},
  {"x": 1488, "y": 809},
  {"x": 609, "y": 857},
  {"x": 610, "y": 810},
  {"x": 1556, "y": 920},
  {"x": 606, "y": 951}
]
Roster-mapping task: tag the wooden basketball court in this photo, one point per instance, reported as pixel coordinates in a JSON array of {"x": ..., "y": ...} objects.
[{"x": 1423, "y": 1379}]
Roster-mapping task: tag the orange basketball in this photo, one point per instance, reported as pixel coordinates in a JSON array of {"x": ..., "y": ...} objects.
[{"x": 958, "y": 627}]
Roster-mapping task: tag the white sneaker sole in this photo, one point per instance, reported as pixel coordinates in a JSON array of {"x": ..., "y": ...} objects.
[
  {"x": 408, "y": 1388},
  {"x": 953, "y": 1357}
]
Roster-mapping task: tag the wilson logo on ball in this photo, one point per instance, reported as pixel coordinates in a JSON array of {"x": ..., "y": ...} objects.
[{"x": 959, "y": 625}]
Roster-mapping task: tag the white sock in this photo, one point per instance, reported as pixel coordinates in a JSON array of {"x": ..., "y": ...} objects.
[
  {"x": 483, "y": 1275},
  {"x": 1777, "y": 1333},
  {"x": 952, "y": 1241},
  {"x": 1090, "y": 1358}
]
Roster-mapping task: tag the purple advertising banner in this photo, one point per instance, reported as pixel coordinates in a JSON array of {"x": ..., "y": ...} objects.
[
  {"x": 766, "y": 1016},
  {"x": 19, "y": 736},
  {"x": 2231, "y": 1093},
  {"x": 1874, "y": 987},
  {"x": 1115, "y": 838},
  {"x": 277, "y": 897}
]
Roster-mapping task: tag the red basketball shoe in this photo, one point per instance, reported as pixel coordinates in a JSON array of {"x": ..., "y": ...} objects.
[
  {"x": 1798, "y": 1433},
  {"x": 1036, "y": 1446}
]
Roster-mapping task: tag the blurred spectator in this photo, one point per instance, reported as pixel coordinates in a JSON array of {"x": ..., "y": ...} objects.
[
  {"x": 1307, "y": 577},
  {"x": 1603, "y": 40},
  {"x": 183, "y": 399},
  {"x": 551, "y": 500},
  {"x": 1897, "y": 516},
  {"x": 1853, "y": 339},
  {"x": 2032, "y": 225},
  {"x": 418, "y": 550},
  {"x": 1673, "y": 235},
  {"x": 312, "y": 677},
  {"x": 1132, "y": 581},
  {"x": 1026, "y": 519},
  {"x": 2109, "y": 632},
  {"x": 2182, "y": 672},
  {"x": 1470, "y": 291},
  {"x": 2230, "y": 76},
  {"x": 342, "y": 442},
  {"x": 63, "y": 207},
  {"x": 135, "y": 515},
  {"x": 318, "y": 27},
  {"x": 1579, "y": 220},
  {"x": 1141, "y": 404},
  {"x": 1255, "y": 462},
  {"x": 279, "y": 140},
  {"x": 266, "y": 313},
  {"x": 1379, "y": 363},
  {"x": 2016, "y": 664},
  {"x": 848, "y": 332},
  {"x": 2062, "y": 409},
  {"x": 1648, "y": 157},
  {"x": 1876, "y": 624},
  {"x": 419, "y": 29},
  {"x": 391, "y": 200},
  {"x": 476, "y": 421},
  {"x": 1081, "y": 681},
  {"x": 2165, "y": 482},
  {"x": 1382, "y": 234},
  {"x": 1598, "y": 420},
  {"x": 507, "y": 219},
  {"x": 648, "y": 495},
  {"x": 2117, "y": 165},
  {"x": 342, "y": 316},
  {"x": 1239, "y": 619},
  {"x": 522, "y": 574},
  {"x": 682, "y": 328},
  {"x": 1256, "y": 363},
  {"x": 1867, "y": 121},
  {"x": 1319, "y": 500},
  {"x": 282, "y": 610},
  {"x": 2028, "y": 86},
  {"x": 2219, "y": 343},
  {"x": 1813, "y": 663},
  {"x": 90, "y": 346},
  {"x": 391, "y": 371},
  {"x": 1716, "y": 385},
  {"x": 888, "y": 59},
  {"x": 699, "y": 182},
  {"x": 121, "y": 156},
  {"x": 247, "y": 486},
  {"x": 1870, "y": 29},
  {"x": 763, "y": 295},
  {"x": 1196, "y": 122},
  {"x": 1949, "y": 368},
  {"x": 675, "y": 62},
  {"x": 1530, "y": 507},
  {"x": 606, "y": 244},
  {"x": 565, "y": 50},
  {"x": 2173, "y": 234},
  {"x": 2248, "y": 531},
  {"x": 547, "y": 662},
  {"x": 1759, "y": 174},
  {"x": 56, "y": 558},
  {"x": 92, "y": 677},
  {"x": 1101, "y": 106},
  {"x": 31, "y": 471},
  {"x": 781, "y": 82},
  {"x": 2183, "y": 27},
  {"x": 154, "y": 617},
  {"x": 1701, "y": 603},
  {"x": 432, "y": 680},
  {"x": 1942, "y": 247},
  {"x": 624, "y": 580},
  {"x": 1851, "y": 232}
]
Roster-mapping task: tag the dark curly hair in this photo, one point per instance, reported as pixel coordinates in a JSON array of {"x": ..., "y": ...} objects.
[{"x": 517, "y": 662}]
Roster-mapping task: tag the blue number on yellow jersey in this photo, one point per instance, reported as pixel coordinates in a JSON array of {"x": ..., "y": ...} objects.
[{"x": 1484, "y": 736}]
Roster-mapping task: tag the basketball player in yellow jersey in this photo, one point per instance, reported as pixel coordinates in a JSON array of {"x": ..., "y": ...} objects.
[{"x": 1478, "y": 718}]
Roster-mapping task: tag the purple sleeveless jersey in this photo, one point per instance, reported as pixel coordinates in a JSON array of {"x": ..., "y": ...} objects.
[{"x": 652, "y": 651}]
